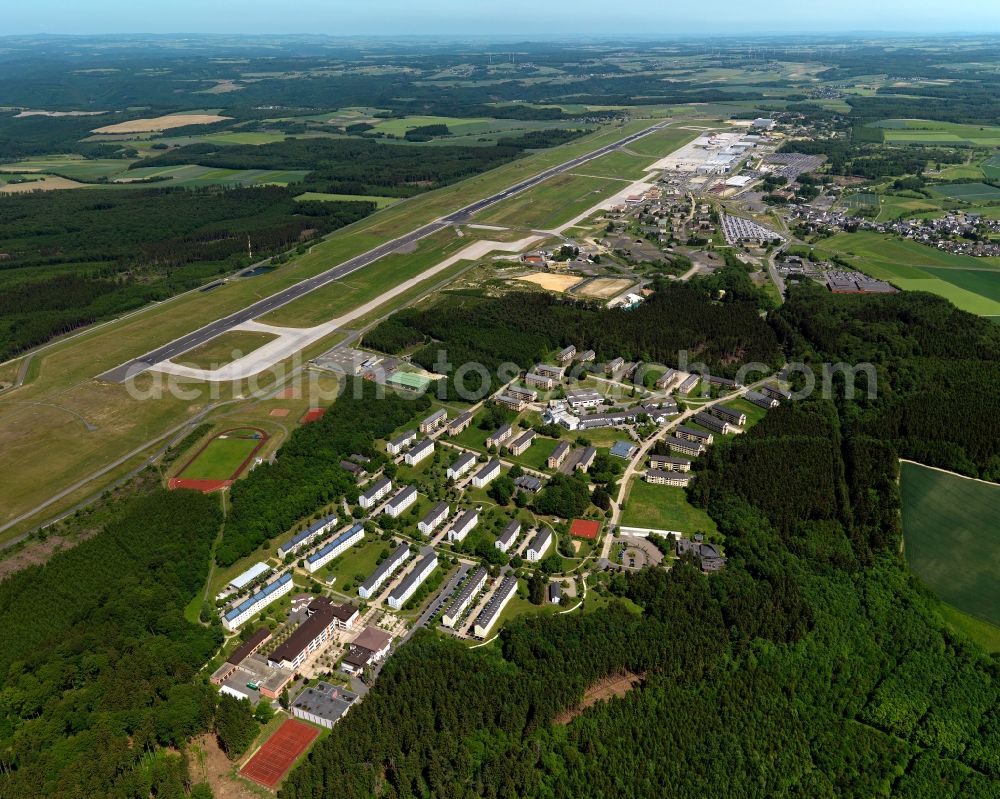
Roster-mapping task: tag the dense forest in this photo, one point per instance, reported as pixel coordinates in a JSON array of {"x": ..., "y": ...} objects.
[
  {"x": 524, "y": 328},
  {"x": 812, "y": 666},
  {"x": 938, "y": 371},
  {"x": 795, "y": 672},
  {"x": 71, "y": 258},
  {"x": 98, "y": 662},
  {"x": 348, "y": 166},
  {"x": 306, "y": 475}
]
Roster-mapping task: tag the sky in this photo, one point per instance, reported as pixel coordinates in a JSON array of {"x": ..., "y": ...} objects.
[{"x": 558, "y": 19}]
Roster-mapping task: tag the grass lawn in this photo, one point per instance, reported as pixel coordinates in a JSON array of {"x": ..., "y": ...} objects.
[
  {"x": 664, "y": 508},
  {"x": 380, "y": 202},
  {"x": 952, "y": 539},
  {"x": 553, "y": 202},
  {"x": 535, "y": 456},
  {"x": 358, "y": 561},
  {"x": 970, "y": 192},
  {"x": 983, "y": 633},
  {"x": 224, "y": 349},
  {"x": 222, "y": 456},
  {"x": 754, "y": 412}
]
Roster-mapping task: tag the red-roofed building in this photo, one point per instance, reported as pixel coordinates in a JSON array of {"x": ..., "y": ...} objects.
[{"x": 584, "y": 528}]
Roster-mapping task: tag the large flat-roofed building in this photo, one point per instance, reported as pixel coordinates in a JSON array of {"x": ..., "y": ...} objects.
[
  {"x": 251, "y": 678},
  {"x": 540, "y": 543},
  {"x": 434, "y": 421},
  {"x": 323, "y": 704},
  {"x": 434, "y": 518},
  {"x": 403, "y": 500},
  {"x": 498, "y": 436},
  {"x": 691, "y": 434},
  {"x": 670, "y": 464},
  {"x": 375, "y": 493},
  {"x": 459, "y": 423},
  {"x": 336, "y": 547},
  {"x": 463, "y": 525},
  {"x": 412, "y": 581},
  {"x": 488, "y": 615},
  {"x": 369, "y": 648},
  {"x": 521, "y": 443},
  {"x": 684, "y": 446},
  {"x": 461, "y": 465},
  {"x": 489, "y": 472},
  {"x": 370, "y": 587},
  {"x": 664, "y": 478},
  {"x": 712, "y": 422},
  {"x": 508, "y": 536},
  {"x": 727, "y": 414},
  {"x": 401, "y": 442},
  {"x": 623, "y": 449},
  {"x": 241, "y": 581},
  {"x": 306, "y": 537},
  {"x": 419, "y": 451},
  {"x": 583, "y": 398},
  {"x": 463, "y": 598},
  {"x": 558, "y": 455},
  {"x": 249, "y": 607},
  {"x": 321, "y": 620}
]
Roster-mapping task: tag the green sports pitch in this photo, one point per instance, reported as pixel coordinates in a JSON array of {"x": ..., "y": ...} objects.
[
  {"x": 952, "y": 538},
  {"x": 223, "y": 457}
]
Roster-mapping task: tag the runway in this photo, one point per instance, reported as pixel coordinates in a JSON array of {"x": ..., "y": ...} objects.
[{"x": 196, "y": 338}]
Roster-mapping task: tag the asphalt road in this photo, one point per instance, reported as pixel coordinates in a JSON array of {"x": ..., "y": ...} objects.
[{"x": 122, "y": 373}]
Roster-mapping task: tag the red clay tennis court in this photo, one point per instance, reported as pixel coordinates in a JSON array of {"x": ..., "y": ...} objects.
[
  {"x": 584, "y": 528},
  {"x": 270, "y": 763},
  {"x": 313, "y": 415}
]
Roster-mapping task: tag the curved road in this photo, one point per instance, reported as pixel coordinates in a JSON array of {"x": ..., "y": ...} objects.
[{"x": 125, "y": 371}]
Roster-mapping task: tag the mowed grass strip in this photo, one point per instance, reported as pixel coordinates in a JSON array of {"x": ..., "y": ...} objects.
[
  {"x": 952, "y": 538},
  {"x": 664, "y": 508},
  {"x": 222, "y": 456},
  {"x": 224, "y": 349},
  {"x": 553, "y": 202}
]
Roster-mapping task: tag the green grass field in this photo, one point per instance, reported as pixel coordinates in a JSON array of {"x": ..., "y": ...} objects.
[
  {"x": 991, "y": 167},
  {"x": 663, "y": 508},
  {"x": 380, "y": 202},
  {"x": 359, "y": 560},
  {"x": 192, "y": 175},
  {"x": 552, "y": 203},
  {"x": 970, "y": 283},
  {"x": 224, "y": 349},
  {"x": 952, "y": 538},
  {"x": 222, "y": 456},
  {"x": 923, "y": 131},
  {"x": 969, "y": 192}
]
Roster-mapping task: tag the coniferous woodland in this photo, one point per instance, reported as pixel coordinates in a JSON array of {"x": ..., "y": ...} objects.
[
  {"x": 71, "y": 258},
  {"x": 523, "y": 328}
]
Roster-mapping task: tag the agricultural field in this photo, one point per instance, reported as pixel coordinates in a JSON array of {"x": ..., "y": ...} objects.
[
  {"x": 923, "y": 131},
  {"x": 969, "y": 192},
  {"x": 74, "y": 167},
  {"x": 42, "y": 183},
  {"x": 663, "y": 508},
  {"x": 165, "y": 122},
  {"x": 991, "y": 167},
  {"x": 223, "y": 456},
  {"x": 951, "y": 538},
  {"x": 192, "y": 175},
  {"x": 972, "y": 284}
]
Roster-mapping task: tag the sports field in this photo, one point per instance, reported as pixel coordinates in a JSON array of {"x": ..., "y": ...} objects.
[
  {"x": 272, "y": 761},
  {"x": 969, "y": 192},
  {"x": 663, "y": 508},
  {"x": 952, "y": 538},
  {"x": 223, "y": 456}
]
